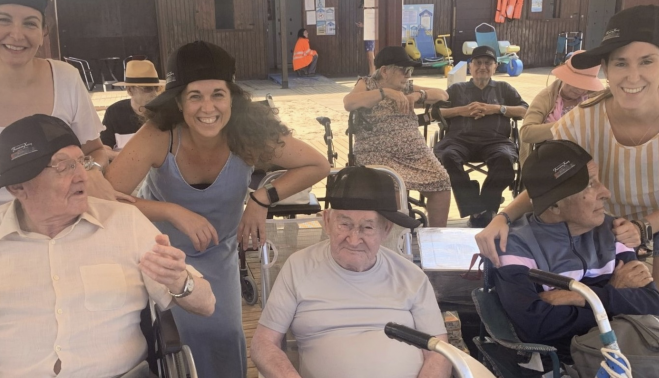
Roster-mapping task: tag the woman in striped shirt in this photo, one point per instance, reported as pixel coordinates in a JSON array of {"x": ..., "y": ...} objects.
[{"x": 619, "y": 128}]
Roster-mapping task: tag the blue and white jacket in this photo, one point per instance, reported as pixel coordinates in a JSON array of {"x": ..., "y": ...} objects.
[{"x": 590, "y": 258}]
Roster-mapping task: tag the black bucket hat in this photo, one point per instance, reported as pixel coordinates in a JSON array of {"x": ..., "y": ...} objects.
[
  {"x": 362, "y": 188},
  {"x": 394, "y": 55},
  {"x": 194, "y": 61},
  {"x": 636, "y": 24},
  {"x": 556, "y": 169},
  {"x": 27, "y": 145},
  {"x": 39, "y": 5}
]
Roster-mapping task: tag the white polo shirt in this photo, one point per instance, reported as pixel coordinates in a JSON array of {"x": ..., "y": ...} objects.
[{"x": 76, "y": 297}]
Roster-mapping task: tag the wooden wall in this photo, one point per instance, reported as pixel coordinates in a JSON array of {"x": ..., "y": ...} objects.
[
  {"x": 50, "y": 47},
  {"x": 538, "y": 38},
  {"x": 184, "y": 21}
]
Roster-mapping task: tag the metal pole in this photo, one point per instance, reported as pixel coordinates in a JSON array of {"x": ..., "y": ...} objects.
[{"x": 284, "y": 43}]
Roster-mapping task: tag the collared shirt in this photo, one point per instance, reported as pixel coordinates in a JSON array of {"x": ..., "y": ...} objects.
[
  {"x": 494, "y": 127},
  {"x": 76, "y": 297}
]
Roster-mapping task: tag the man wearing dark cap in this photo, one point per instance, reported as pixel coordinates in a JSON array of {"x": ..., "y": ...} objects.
[
  {"x": 568, "y": 233},
  {"x": 337, "y": 295},
  {"x": 479, "y": 130},
  {"x": 77, "y": 271}
]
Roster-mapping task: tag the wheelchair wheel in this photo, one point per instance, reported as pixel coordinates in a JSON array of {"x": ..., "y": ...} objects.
[
  {"x": 420, "y": 216},
  {"x": 250, "y": 291}
]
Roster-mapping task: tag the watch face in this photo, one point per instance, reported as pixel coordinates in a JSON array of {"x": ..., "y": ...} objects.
[{"x": 189, "y": 285}]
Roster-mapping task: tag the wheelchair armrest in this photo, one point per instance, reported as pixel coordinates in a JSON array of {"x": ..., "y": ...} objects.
[
  {"x": 167, "y": 334},
  {"x": 525, "y": 347}
]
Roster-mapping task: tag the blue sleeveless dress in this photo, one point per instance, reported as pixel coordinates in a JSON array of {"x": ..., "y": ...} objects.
[{"x": 217, "y": 342}]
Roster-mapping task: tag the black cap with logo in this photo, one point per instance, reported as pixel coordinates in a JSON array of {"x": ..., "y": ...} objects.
[
  {"x": 394, "y": 55},
  {"x": 39, "y": 5},
  {"x": 362, "y": 188},
  {"x": 27, "y": 145},
  {"x": 636, "y": 24},
  {"x": 482, "y": 51},
  {"x": 194, "y": 61},
  {"x": 556, "y": 169}
]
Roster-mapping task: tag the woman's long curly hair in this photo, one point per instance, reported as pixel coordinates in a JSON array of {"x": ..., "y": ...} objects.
[{"x": 253, "y": 132}]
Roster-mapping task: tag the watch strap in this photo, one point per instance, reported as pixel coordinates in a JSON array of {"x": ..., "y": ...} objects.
[
  {"x": 187, "y": 287},
  {"x": 273, "y": 196}
]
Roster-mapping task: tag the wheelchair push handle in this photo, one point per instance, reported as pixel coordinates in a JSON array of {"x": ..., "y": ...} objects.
[
  {"x": 407, "y": 335},
  {"x": 550, "y": 279},
  {"x": 325, "y": 121}
]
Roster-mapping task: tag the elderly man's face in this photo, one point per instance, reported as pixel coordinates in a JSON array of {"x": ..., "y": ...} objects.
[
  {"x": 355, "y": 237},
  {"x": 584, "y": 211},
  {"x": 57, "y": 195},
  {"x": 482, "y": 68}
]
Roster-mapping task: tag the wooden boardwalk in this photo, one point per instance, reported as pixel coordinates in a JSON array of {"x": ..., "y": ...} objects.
[{"x": 251, "y": 314}]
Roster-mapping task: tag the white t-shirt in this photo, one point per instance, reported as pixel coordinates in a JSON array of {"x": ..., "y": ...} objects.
[
  {"x": 338, "y": 316},
  {"x": 73, "y": 105}
]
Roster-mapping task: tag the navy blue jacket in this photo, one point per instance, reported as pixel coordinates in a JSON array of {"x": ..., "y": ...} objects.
[{"x": 590, "y": 258}]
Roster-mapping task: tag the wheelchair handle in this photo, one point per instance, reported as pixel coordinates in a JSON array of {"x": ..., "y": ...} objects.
[
  {"x": 407, "y": 335},
  {"x": 323, "y": 120},
  {"x": 550, "y": 279}
]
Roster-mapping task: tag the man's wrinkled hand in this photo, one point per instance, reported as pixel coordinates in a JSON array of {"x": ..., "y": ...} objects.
[
  {"x": 631, "y": 275},
  {"x": 626, "y": 233},
  {"x": 165, "y": 264},
  {"x": 563, "y": 298}
]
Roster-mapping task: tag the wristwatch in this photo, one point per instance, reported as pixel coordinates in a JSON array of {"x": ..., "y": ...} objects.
[
  {"x": 187, "y": 288},
  {"x": 503, "y": 109},
  {"x": 646, "y": 230},
  {"x": 273, "y": 196}
]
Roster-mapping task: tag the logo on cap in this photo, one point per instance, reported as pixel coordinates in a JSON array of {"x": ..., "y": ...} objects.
[
  {"x": 562, "y": 168},
  {"x": 171, "y": 77},
  {"x": 22, "y": 150},
  {"x": 613, "y": 33}
]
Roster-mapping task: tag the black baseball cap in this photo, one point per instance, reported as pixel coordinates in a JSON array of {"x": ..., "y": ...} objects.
[
  {"x": 362, "y": 188},
  {"x": 482, "y": 51},
  {"x": 194, "y": 61},
  {"x": 636, "y": 24},
  {"x": 556, "y": 169},
  {"x": 39, "y": 5},
  {"x": 27, "y": 145},
  {"x": 394, "y": 55}
]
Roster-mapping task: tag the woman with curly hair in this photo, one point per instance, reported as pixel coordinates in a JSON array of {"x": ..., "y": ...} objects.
[{"x": 198, "y": 146}]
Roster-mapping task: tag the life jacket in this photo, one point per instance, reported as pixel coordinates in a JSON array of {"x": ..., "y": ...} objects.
[
  {"x": 508, "y": 9},
  {"x": 514, "y": 12},
  {"x": 500, "y": 15},
  {"x": 300, "y": 60}
]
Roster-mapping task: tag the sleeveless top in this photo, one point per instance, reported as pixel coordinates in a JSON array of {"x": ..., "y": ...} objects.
[{"x": 221, "y": 202}]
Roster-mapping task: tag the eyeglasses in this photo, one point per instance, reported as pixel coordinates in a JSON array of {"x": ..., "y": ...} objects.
[
  {"x": 145, "y": 89},
  {"x": 348, "y": 227},
  {"x": 69, "y": 165},
  {"x": 486, "y": 63},
  {"x": 406, "y": 70}
]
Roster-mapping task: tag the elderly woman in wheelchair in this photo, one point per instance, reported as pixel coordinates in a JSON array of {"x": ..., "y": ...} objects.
[{"x": 385, "y": 101}]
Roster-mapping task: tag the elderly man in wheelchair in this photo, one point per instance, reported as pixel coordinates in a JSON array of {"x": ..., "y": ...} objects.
[
  {"x": 568, "y": 233},
  {"x": 77, "y": 271},
  {"x": 337, "y": 295},
  {"x": 479, "y": 130}
]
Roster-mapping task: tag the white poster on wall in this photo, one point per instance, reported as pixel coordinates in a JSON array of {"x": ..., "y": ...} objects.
[
  {"x": 369, "y": 25},
  {"x": 369, "y": 3},
  {"x": 309, "y": 5},
  {"x": 330, "y": 28},
  {"x": 329, "y": 14},
  {"x": 320, "y": 28},
  {"x": 311, "y": 17}
]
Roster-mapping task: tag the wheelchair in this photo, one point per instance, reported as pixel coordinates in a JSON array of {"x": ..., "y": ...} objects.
[
  {"x": 357, "y": 122},
  {"x": 167, "y": 356},
  {"x": 499, "y": 346},
  {"x": 516, "y": 185}
]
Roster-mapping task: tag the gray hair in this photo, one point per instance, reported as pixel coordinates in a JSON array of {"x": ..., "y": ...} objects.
[{"x": 377, "y": 75}]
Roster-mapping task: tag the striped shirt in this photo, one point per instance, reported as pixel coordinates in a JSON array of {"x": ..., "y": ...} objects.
[{"x": 630, "y": 172}]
